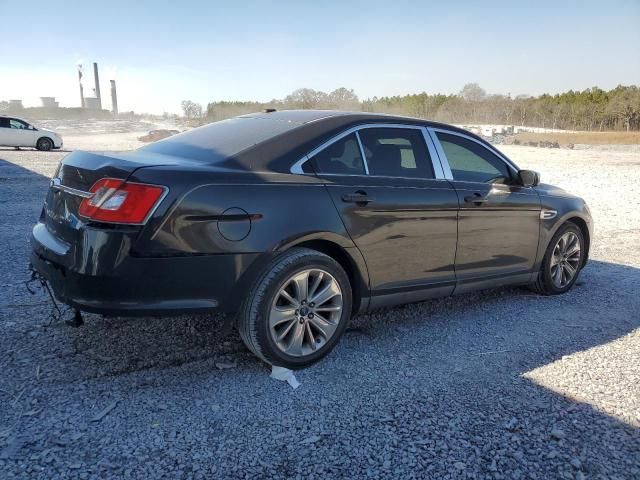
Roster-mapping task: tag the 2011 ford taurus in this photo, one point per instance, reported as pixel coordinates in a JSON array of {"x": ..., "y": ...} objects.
[{"x": 293, "y": 221}]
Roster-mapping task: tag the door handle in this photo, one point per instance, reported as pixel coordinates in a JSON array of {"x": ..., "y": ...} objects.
[
  {"x": 358, "y": 197},
  {"x": 475, "y": 198}
]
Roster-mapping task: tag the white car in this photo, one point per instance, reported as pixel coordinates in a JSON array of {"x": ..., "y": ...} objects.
[{"x": 16, "y": 132}]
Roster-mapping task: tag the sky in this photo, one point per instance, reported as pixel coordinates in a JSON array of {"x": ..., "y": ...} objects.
[{"x": 161, "y": 52}]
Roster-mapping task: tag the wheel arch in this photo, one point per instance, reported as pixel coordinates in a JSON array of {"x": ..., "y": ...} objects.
[
  {"x": 347, "y": 256},
  {"x": 578, "y": 221},
  {"x": 352, "y": 266},
  {"x": 584, "y": 229},
  {"x": 46, "y": 137}
]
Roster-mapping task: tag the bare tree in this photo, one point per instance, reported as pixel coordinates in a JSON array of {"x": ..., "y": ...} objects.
[
  {"x": 306, "y": 98},
  {"x": 522, "y": 105},
  {"x": 473, "y": 92},
  {"x": 191, "y": 109},
  {"x": 625, "y": 105},
  {"x": 343, "y": 99}
]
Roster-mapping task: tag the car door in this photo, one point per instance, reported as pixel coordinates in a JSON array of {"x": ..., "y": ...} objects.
[
  {"x": 19, "y": 134},
  {"x": 5, "y": 132},
  {"x": 400, "y": 216},
  {"x": 499, "y": 219}
]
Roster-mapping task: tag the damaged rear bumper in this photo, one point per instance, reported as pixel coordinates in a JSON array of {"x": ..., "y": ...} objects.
[{"x": 100, "y": 278}]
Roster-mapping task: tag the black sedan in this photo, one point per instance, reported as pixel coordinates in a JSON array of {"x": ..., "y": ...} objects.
[{"x": 293, "y": 221}]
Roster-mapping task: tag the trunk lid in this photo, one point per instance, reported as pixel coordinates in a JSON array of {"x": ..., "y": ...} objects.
[{"x": 80, "y": 170}]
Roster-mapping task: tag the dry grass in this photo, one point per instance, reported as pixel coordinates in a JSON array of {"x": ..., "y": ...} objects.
[{"x": 589, "y": 138}]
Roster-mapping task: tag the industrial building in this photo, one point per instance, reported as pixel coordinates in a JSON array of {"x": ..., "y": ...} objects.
[
  {"x": 89, "y": 103},
  {"x": 95, "y": 103},
  {"x": 49, "y": 102},
  {"x": 92, "y": 103}
]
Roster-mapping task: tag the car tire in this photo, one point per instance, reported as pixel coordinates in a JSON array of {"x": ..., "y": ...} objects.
[
  {"x": 557, "y": 273},
  {"x": 44, "y": 144},
  {"x": 278, "y": 320}
]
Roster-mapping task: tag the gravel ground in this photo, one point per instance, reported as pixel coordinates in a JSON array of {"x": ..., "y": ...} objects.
[{"x": 496, "y": 384}]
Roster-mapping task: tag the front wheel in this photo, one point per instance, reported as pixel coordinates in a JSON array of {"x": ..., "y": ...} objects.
[
  {"x": 562, "y": 261},
  {"x": 298, "y": 310},
  {"x": 44, "y": 144}
]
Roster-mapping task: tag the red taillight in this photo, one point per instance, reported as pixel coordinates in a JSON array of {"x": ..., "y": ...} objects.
[{"x": 115, "y": 201}]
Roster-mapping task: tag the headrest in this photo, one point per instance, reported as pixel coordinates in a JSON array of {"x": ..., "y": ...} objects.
[{"x": 386, "y": 160}]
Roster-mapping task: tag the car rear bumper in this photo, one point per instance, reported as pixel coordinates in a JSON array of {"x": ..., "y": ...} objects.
[{"x": 90, "y": 278}]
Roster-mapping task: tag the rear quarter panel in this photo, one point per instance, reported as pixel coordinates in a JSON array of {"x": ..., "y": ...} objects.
[
  {"x": 273, "y": 210},
  {"x": 253, "y": 215}
]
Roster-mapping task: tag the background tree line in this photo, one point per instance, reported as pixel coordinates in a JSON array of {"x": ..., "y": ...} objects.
[{"x": 592, "y": 109}]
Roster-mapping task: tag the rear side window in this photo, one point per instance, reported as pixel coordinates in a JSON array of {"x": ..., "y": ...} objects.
[
  {"x": 396, "y": 152},
  {"x": 4, "y": 123},
  {"x": 471, "y": 162},
  {"x": 340, "y": 158}
]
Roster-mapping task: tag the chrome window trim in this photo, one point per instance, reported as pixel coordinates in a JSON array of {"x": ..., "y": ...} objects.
[
  {"x": 442, "y": 158},
  {"x": 362, "y": 154},
  {"x": 436, "y": 163},
  {"x": 377, "y": 176},
  {"x": 296, "y": 168},
  {"x": 434, "y": 130}
]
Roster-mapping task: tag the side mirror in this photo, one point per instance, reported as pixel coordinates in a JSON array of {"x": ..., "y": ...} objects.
[{"x": 529, "y": 178}]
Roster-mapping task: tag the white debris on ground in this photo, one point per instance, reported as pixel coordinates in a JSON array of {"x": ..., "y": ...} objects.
[{"x": 284, "y": 375}]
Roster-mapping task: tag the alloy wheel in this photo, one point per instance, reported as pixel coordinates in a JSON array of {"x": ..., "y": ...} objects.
[
  {"x": 306, "y": 312},
  {"x": 565, "y": 259}
]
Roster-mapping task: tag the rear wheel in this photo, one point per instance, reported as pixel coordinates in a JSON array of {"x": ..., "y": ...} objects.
[
  {"x": 562, "y": 261},
  {"x": 298, "y": 310},
  {"x": 44, "y": 144}
]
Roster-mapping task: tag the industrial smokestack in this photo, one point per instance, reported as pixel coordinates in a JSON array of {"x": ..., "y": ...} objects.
[
  {"x": 80, "y": 83},
  {"x": 97, "y": 80},
  {"x": 114, "y": 98}
]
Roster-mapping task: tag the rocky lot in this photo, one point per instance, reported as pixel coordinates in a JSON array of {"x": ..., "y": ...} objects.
[{"x": 497, "y": 384}]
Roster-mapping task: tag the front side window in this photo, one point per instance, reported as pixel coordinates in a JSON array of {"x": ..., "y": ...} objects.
[
  {"x": 340, "y": 158},
  {"x": 396, "y": 152},
  {"x": 471, "y": 162},
  {"x": 17, "y": 124}
]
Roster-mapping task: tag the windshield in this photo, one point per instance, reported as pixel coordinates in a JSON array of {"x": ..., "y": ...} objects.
[{"x": 217, "y": 141}]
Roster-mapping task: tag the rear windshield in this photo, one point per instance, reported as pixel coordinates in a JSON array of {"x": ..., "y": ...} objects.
[{"x": 217, "y": 141}]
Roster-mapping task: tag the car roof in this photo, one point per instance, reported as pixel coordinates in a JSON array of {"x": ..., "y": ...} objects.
[
  {"x": 307, "y": 116},
  {"x": 291, "y": 135},
  {"x": 314, "y": 127},
  {"x": 14, "y": 118}
]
